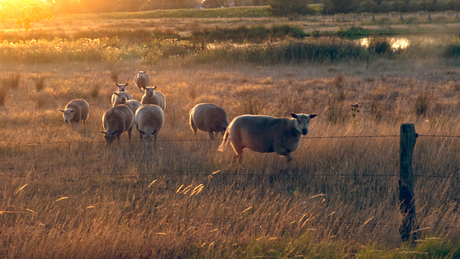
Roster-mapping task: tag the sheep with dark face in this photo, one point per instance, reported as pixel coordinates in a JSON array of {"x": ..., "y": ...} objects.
[
  {"x": 121, "y": 90},
  {"x": 75, "y": 111},
  {"x": 149, "y": 119},
  {"x": 266, "y": 134},
  {"x": 117, "y": 120},
  {"x": 154, "y": 97},
  {"x": 142, "y": 80},
  {"x": 209, "y": 118}
]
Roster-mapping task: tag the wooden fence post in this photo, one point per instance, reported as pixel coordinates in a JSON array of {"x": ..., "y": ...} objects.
[{"x": 409, "y": 227}]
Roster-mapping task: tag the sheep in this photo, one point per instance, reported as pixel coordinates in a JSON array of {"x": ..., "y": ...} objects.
[
  {"x": 208, "y": 117},
  {"x": 149, "y": 119},
  {"x": 121, "y": 89},
  {"x": 141, "y": 80},
  {"x": 132, "y": 104},
  {"x": 75, "y": 111},
  {"x": 266, "y": 134},
  {"x": 117, "y": 120},
  {"x": 153, "y": 97}
]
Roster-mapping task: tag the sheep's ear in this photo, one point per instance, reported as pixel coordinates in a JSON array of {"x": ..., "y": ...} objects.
[
  {"x": 117, "y": 84},
  {"x": 103, "y": 132},
  {"x": 142, "y": 132},
  {"x": 61, "y": 110},
  {"x": 293, "y": 115},
  {"x": 155, "y": 87},
  {"x": 313, "y": 115},
  {"x": 126, "y": 84},
  {"x": 115, "y": 93}
]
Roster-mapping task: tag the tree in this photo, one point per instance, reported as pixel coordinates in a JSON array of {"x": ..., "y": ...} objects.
[
  {"x": 339, "y": 6},
  {"x": 283, "y": 7},
  {"x": 214, "y": 3},
  {"x": 26, "y": 13}
]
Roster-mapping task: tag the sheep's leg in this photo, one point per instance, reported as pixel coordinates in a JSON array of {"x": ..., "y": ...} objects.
[
  {"x": 129, "y": 134},
  {"x": 211, "y": 135},
  {"x": 193, "y": 126}
]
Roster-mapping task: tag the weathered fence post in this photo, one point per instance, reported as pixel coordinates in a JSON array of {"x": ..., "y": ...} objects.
[{"x": 409, "y": 226}]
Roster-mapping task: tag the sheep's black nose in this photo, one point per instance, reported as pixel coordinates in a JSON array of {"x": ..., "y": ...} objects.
[{"x": 304, "y": 131}]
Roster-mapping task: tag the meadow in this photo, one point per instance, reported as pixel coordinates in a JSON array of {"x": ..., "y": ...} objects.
[{"x": 65, "y": 194}]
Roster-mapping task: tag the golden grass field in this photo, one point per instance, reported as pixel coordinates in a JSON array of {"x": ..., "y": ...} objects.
[
  {"x": 67, "y": 195},
  {"x": 64, "y": 194}
]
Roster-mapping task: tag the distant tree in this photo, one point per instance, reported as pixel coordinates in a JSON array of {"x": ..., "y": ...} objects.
[
  {"x": 340, "y": 6},
  {"x": 283, "y": 7},
  {"x": 25, "y": 13},
  {"x": 213, "y": 3}
]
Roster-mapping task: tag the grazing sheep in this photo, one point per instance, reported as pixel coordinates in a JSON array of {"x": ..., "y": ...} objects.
[
  {"x": 75, "y": 111},
  {"x": 117, "y": 120},
  {"x": 142, "y": 80},
  {"x": 149, "y": 120},
  {"x": 154, "y": 97},
  {"x": 121, "y": 89},
  {"x": 208, "y": 117},
  {"x": 266, "y": 134}
]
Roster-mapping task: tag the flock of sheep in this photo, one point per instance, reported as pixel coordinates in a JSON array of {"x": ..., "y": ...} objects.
[{"x": 263, "y": 134}]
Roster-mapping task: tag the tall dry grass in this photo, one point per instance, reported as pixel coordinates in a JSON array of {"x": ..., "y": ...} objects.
[{"x": 71, "y": 196}]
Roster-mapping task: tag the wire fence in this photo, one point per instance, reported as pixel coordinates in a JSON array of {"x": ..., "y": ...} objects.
[
  {"x": 455, "y": 174},
  {"x": 197, "y": 140}
]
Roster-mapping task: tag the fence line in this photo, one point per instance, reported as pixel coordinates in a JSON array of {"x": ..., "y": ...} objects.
[{"x": 218, "y": 139}]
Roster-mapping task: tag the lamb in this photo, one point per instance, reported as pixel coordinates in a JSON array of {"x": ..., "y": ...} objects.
[
  {"x": 153, "y": 97},
  {"x": 117, "y": 120},
  {"x": 75, "y": 111},
  {"x": 149, "y": 119},
  {"x": 121, "y": 89},
  {"x": 266, "y": 134},
  {"x": 208, "y": 117},
  {"x": 142, "y": 80}
]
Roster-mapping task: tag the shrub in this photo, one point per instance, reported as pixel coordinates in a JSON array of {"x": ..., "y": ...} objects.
[
  {"x": 422, "y": 103},
  {"x": 282, "y": 7},
  {"x": 3, "y": 93},
  {"x": 39, "y": 82},
  {"x": 11, "y": 80},
  {"x": 379, "y": 45},
  {"x": 452, "y": 49}
]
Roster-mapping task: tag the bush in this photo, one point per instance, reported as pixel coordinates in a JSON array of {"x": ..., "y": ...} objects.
[
  {"x": 39, "y": 82},
  {"x": 422, "y": 104},
  {"x": 452, "y": 49},
  {"x": 379, "y": 45},
  {"x": 3, "y": 93},
  {"x": 11, "y": 80},
  {"x": 287, "y": 8}
]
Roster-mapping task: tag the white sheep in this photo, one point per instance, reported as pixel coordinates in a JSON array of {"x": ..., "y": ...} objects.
[
  {"x": 132, "y": 104},
  {"x": 266, "y": 134},
  {"x": 154, "y": 97},
  {"x": 209, "y": 118},
  {"x": 149, "y": 119},
  {"x": 117, "y": 120},
  {"x": 121, "y": 89},
  {"x": 75, "y": 111},
  {"x": 142, "y": 80}
]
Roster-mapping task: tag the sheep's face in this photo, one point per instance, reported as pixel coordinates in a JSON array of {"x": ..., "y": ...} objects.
[
  {"x": 122, "y": 87},
  {"x": 109, "y": 136},
  {"x": 302, "y": 121},
  {"x": 148, "y": 138},
  {"x": 149, "y": 91},
  {"x": 68, "y": 114}
]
